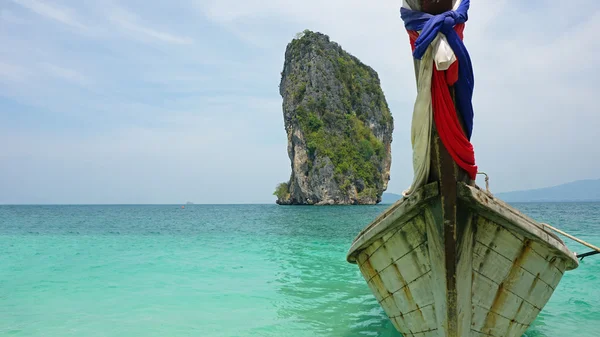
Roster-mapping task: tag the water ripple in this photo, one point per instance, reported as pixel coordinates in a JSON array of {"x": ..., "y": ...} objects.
[{"x": 224, "y": 271}]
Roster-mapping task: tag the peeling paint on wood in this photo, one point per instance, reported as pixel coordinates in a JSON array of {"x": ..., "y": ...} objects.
[{"x": 503, "y": 275}]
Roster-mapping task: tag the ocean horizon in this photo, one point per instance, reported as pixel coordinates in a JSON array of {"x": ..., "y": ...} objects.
[
  {"x": 514, "y": 203},
  {"x": 225, "y": 270}
]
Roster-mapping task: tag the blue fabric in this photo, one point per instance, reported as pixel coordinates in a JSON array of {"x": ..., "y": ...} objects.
[{"x": 430, "y": 25}]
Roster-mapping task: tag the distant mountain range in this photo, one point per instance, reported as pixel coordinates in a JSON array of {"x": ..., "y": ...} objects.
[{"x": 580, "y": 190}]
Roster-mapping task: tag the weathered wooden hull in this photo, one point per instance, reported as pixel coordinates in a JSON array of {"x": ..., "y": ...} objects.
[{"x": 492, "y": 279}]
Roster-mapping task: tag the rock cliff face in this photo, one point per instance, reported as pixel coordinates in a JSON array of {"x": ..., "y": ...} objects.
[{"x": 338, "y": 125}]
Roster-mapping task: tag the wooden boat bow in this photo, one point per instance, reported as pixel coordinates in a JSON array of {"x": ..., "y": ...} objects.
[{"x": 449, "y": 259}]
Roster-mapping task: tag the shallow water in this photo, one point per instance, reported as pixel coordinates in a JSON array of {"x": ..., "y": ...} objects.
[{"x": 223, "y": 271}]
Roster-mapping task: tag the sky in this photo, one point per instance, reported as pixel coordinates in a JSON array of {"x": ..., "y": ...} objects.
[{"x": 173, "y": 101}]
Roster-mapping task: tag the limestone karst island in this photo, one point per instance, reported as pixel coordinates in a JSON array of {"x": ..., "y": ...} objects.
[{"x": 338, "y": 124}]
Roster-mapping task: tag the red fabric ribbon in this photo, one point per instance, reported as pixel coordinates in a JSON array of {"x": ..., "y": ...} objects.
[{"x": 445, "y": 115}]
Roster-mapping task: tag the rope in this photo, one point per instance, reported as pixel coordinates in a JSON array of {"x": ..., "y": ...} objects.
[
  {"x": 589, "y": 245},
  {"x": 581, "y": 256}
]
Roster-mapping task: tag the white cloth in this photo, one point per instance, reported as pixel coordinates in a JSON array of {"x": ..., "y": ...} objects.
[
  {"x": 444, "y": 56},
  {"x": 420, "y": 133},
  {"x": 441, "y": 54}
]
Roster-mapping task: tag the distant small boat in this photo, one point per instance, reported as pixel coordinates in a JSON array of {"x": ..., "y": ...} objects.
[{"x": 449, "y": 259}]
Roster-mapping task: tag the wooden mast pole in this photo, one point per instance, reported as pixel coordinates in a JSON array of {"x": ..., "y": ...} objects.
[{"x": 453, "y": 224}]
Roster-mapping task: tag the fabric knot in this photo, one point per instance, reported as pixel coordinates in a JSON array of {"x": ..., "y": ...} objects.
[
  {"x": 429, "y": 27},
  {"x": 449, "y": 23}
]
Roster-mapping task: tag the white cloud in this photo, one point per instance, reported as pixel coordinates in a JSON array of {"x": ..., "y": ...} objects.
[
  {"x": 215, "y": 110},
  {"x": 191, "y": 157},
  {"x": 528, "y": 73},
  {"x": 131, "y": 23},
  {"x": 60, "y": 14},
  {"x": 12, "y": 72},
  {"x": 7, "y": 16},
  {"x": 64, "y": 73}
]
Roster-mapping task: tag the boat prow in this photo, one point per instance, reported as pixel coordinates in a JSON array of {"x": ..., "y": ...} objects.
[
  {"x": 449, "y": 259},
  {"x": 493, "y": 282}
]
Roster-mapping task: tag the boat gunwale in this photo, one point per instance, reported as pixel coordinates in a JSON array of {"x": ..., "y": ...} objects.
[{"x": 474, "y": 198}]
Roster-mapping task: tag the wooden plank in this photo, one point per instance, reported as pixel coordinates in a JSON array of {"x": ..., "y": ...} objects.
[
  {"x": 414, "y": 295},
  {"x": 494, "y": 297},
  {"x": 537, "y": 292},
  {"x": 510, "y": 273},
  {"x": 524, "y": 284},
  {"x": 497, "y": 237},
  {"x": 508, "y": 245},
  {"x": 490, "y": 263},
  {"x": 373, "y": 280},
  {"x": 519, "y": 296},
  {"x": 479, "y": 317},
  {"x": 408, "y": 228},
  {"x": 554, "y": 273},
  {"x": 393, "y": 277},
  {"x": 433, "y": 225},
  {"x": 376, "y": 244},
  {"x": 496, "y": 266},
  {"x": 464, "y": 272},
  {"x": 479, "y": 334},
  {"x": 430, "y": 333},
  {"x": 448, "y": 178},
  {"x": 368, "y": 251},
  {"x": 411, "y": 236},
  {"x": 403, "y": 287},
  {"x": 390, "y": 307},
  {"x": 516, "y": 329},
  {"x": 556, "y": 265},
  {"x": 514, "y": 221},
  {"x": 402, "y": 326},
  {"x": 536, "y": 264},
  {"x": 526, "y": 313},
  {"x": 406, "y": 269},
  {"x": 495, "y": 324},
  {"x": 519, "y": 283},
  {"x": 380, "y": 260},
  {"x": 484, "y": 290},
  {"x": 398, "y": 214},
  {"x": 416, "y": 321}
]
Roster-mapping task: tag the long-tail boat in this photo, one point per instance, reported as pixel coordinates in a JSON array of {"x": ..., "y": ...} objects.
[{"x": 449, "y": 259}]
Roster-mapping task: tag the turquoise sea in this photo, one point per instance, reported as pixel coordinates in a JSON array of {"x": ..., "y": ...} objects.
[{"x": 225, "y": 271}]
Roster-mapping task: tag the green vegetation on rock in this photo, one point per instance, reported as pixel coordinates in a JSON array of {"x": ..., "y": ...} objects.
[
  {"x": 350, "y": 150},
  {"x": 282, "y": 191},
  {"x": 352, "y": 146},
  {"x": 336, "y": 104}
]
